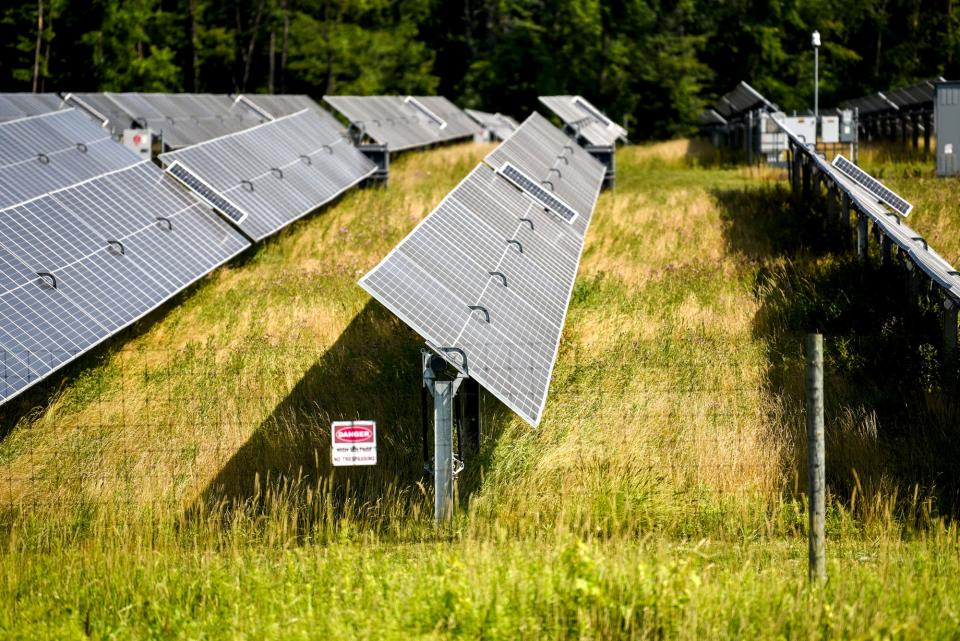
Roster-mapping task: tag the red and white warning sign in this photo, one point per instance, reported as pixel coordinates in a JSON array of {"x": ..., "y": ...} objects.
[{"x": 354, "y": 442}]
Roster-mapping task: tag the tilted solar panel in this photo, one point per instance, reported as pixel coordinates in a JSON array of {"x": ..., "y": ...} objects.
[
  {"x": 274, "y": 106},
  {"x": 44, "y": 153},
  {"x": 586, "y": 120},
  {"x": 84, "y": 262},
  {"x": 486, "y": 277},
  {"x": 180, "y": 119},
  {"x": 271, "y": 174},
  {"x": 488, "y": 273},
  {"x": 22, "y": 105},
  {"x": 458, "y": 123},
  {"x": 499, "y": 125},
  {"x": 405, "y": 122}
]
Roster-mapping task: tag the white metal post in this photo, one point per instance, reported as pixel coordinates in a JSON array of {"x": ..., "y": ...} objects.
[
  {"x": 815, "y": 41},
  {"x": 816, "y": 474},
  {"x": 443, "y": 392}
]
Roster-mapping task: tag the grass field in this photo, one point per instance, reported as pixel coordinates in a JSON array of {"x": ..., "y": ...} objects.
[{"x": 176, "y": 484}]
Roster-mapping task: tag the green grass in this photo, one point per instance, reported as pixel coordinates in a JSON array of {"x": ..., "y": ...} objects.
[{"x": 176, "y": 483}]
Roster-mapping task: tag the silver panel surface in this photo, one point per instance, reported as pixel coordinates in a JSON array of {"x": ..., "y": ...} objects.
[{"x": 275, "y": 172}]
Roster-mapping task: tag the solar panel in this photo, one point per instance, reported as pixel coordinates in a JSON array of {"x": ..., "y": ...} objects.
[
  {"x": 405, "y": 123},
  {"x": 422, "y": 109},
  {"x": 43, "y": 153},
  {"x": 872, "y": 185},
  {"x": 498, "y": 125},
  {"x": 486, "y": 277},
  {"x": 180, "y": 119},
  {"x": 278, "y": 105},
  {"x": 266, "y": 177},
  {"x": 458, "y": 123},
  {"x": 545, "y": 153},
  {"x": 82, "y": 263},
  {"x": 538, "y": 193},
  {"x": 21, "y": 105},
  {"x": 487, "y": 274}
]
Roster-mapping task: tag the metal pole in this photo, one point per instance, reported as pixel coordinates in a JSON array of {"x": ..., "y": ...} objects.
[
  {"x": 861, "y": 237},
  {"x": 816, "y": 84},
  {"x": 815, "y": 457},
  {"x": 949, "y": 327},
  {"x": 886, "y": 246},
  {"x": 443, "y": 392}
]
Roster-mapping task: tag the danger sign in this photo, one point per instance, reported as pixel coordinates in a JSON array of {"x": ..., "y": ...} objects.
[{"x": 354, "y": 442}]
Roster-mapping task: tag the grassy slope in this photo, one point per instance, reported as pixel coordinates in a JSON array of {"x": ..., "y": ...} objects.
[{"x": 178, "y": 488}]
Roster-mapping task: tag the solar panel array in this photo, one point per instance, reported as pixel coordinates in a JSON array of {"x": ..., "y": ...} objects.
[
  {"x": 498, "y": 125},
  {"x": 405, "y": 122},
  {"x": 22, "y": 105},
  {"x": 587, "y": 121},
  {"x": 83, "y": 262},
  {"x": 181, "y": 119},
  {"x": 44, "y": 153},
  {"x": 915, "y": 97},
  {"x": 486, "y": 277},
  {"x": 733, "y": 106},
  {"x": 941, "y": 272},
  {"x": 266, "y": 177}
]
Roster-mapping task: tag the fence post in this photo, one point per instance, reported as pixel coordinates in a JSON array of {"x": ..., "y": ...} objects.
[{"x": 816, "y": 477}]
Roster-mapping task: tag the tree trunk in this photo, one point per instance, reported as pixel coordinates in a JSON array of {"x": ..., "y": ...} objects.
[
  {"x": 273, "y": 59},
  {"x": 194, "y": 48},
  {"x": 283, "y": 52},
  {"x": 36, "y": 54},
  {"x": 46, "y": 55},
  {"x": 248, "y": 58}
]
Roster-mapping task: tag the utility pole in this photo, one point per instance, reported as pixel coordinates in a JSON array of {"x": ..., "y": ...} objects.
[{"x": 815, "y": 41}]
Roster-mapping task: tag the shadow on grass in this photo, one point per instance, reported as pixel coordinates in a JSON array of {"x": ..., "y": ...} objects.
[
  {"x": 892, "y": 417},
  {"x": 372, "y": 372}
]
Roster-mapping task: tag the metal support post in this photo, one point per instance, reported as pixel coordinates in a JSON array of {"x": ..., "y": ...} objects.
[
  {"x": 816, "y": 473},
  {"x": 749, "y": 138},
  {"x": 949, "y": 326},
  {"x": 915, "y": 131},
  {"x": 862, "y": 237},
  {"x": 927, "y": 125},
  {"x": 805, "y": 172},
  {"x": 903, "y": 131},
  {"x": 886, "y": 246},
  {"x": 443, "y": 392},
  {"x": 844, "y": 213}
]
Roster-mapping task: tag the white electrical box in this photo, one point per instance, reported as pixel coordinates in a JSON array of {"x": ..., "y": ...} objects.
[
  {"x": 847, "y": 131},
  {"x": 830, "y": 129},
  {"x": 772, "y": 139},
  {"x": 140, "y": 140},
  {"x": 805, "y": 127}
]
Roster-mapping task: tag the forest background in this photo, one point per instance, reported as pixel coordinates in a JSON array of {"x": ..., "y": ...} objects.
[{"x": 652, "y": 64}]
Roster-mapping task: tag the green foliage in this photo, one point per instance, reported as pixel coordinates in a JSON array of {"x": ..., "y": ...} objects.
[{"x": 650, "y": 63}]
